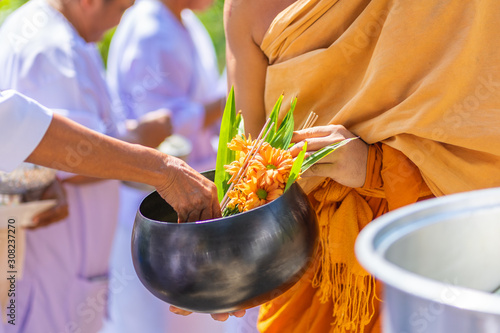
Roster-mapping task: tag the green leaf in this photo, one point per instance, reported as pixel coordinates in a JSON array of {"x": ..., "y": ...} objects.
[
  {"x": 224, "y": 155},
  {"x": 285, "y": 132},
  {"x": 274, "y": 119},
  {"x": 296, "y": 167},
  {"x": 323, "y": 152},
  {"x": 240, "y": 124}
]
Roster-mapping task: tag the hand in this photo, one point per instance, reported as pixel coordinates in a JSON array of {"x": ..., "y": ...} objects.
[
  {"x": 193, "y": 196},
  {"x": 215, "y": 316},
  {"x": 214, "y": 111},
  {"x": 56, "y": 213},
  {"x": 151, "y": 129},
  {"x": 346, "y": 165}
]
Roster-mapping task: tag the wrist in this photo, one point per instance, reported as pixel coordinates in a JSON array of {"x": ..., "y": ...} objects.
[{"x": 160, "y": 174}]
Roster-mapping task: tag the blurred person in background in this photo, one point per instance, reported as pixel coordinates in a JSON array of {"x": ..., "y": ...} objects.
[
  {"x": 48, "y": 54},
  {"x": 161, "y": 56}
]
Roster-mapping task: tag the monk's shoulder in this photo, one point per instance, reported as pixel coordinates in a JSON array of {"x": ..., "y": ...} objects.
[{"x": 255, "y": 15}]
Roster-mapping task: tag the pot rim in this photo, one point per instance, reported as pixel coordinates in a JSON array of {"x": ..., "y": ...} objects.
[
  {"x": 294, "y": 188},
  {"x": 378, "y": 235}
]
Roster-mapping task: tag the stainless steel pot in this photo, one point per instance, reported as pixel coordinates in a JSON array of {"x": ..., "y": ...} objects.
[
  {"x": 439, "y": 261},
  {"x": 224, "y": 264}
]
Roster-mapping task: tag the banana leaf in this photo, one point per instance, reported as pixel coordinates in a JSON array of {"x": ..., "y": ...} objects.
[
  {"x": 296, "y": 167},
  {"x": 274, "y": 119},
  {"x": 284, "y": 134},
  {"x": 228, "y": 129},
  {"x": 240, "y": 124},
  {"x": 322, "y": 153}
]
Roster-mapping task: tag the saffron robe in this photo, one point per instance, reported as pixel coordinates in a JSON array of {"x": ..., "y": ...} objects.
[{"x": 419, "y": 82}]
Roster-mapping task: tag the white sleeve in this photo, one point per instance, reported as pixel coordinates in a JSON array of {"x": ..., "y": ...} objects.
[{"x": 23, "y": 123}]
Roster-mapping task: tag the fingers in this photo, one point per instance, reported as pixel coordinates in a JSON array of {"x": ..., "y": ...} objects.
[
  {"x": 215, "y": 316},
  {"x": 56, "y": 213},
  {"x": 193, "y": 196},
  {"x": 178, "y": 311},
  {"x": 206, "y": 214},
  {"x": 318, "y": 137},
  {"x": 201, "y": 206},
  {"x": 216, "y": 210},
  {"x": 220, "y": 316},
  {"x": 297, "y": 148},
  {"x": 225, "y": 316},
  {"x": 52, "y": 215},
  {"x": 313, "y": 132},
  {"x": 239, "y": 313},
  {"x": 194, "y": 216}
]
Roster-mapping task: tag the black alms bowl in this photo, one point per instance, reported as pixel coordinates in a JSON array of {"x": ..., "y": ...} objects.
[{"x": 225, "y": 264}]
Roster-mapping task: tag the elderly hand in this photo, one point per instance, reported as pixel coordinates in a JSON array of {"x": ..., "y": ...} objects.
[
  {"x": 215, "y": 316},
  {"x": 193, "y": 196},
  {"x": 347, "y": 165},
  {"x": 56, "y": 213}
]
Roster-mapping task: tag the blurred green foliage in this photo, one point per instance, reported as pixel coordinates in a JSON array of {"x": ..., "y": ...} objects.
[
  {"x": 212, "y": 19},
  {"x": 8, "y": 6}
]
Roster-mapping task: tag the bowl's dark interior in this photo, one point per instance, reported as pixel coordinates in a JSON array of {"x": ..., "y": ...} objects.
[{"x": 159, "y": 210}]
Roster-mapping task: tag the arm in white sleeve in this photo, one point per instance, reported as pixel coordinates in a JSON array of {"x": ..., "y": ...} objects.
[
  {"x": 69, "y": 84},
  {"x": 23, "y": 123}
]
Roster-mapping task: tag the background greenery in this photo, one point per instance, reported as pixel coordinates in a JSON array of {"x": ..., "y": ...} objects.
[{"x": 212, "y": 19}]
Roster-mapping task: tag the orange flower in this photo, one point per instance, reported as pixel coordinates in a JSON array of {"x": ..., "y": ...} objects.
[
  {"x": 271, "y": 165},
  {"x": 257, "y": 193},
  {"x": 241, "y": 144},
  {"x": 266, "y": 176},
  {"x": 237, "y": 199},
  {"x": 235, "y": 166}
]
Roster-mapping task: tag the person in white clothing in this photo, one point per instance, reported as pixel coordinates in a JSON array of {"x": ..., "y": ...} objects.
[
  {"x": 161, "y": 56},
  {"x": 23, "y": 123},
  {"x": 48, "y": 54},
  {"x": 30, "y": 132}
]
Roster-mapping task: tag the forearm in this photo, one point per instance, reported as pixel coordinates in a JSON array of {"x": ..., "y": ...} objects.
[
  {"x": 71, "y": 147},
  {"x": 213, "y": 112},
  {"x": 149, "y": 130},
  {"x": 246, "y": 65}
]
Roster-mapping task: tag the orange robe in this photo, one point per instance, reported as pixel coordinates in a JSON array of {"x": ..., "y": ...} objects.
[{"x": 417, "y": 80}]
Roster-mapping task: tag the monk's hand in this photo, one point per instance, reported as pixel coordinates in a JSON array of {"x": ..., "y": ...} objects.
[
  {"x": 53, "y": 214},
  {"x": 215, "y": 316},
  {"x": 346, "y": 165},
  {"x": 193, "y": 196}
]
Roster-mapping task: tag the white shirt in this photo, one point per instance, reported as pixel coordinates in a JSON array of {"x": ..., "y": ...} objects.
[
  {"x": 23, "y": 123},
  {"x": 156, "y": 62},
  {"x": 41, "y": 52},
  {"x": 43, "y": 57}
]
